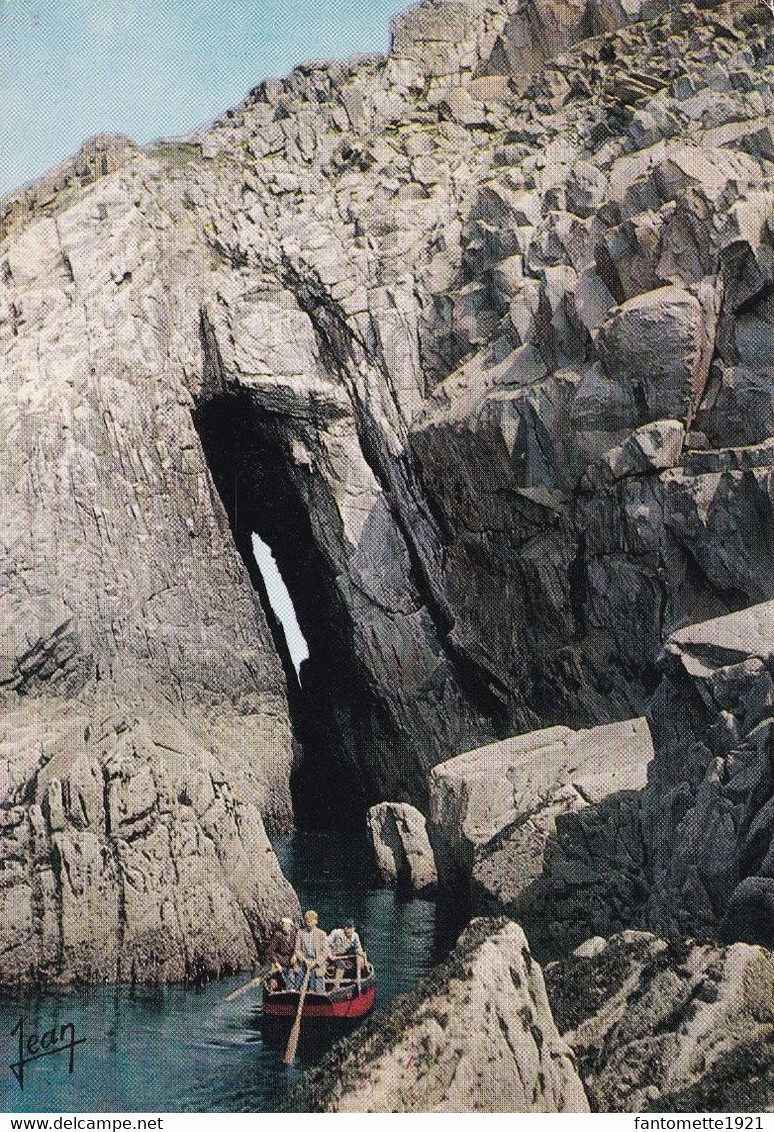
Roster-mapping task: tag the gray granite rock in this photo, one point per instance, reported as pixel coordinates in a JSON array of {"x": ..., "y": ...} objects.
[
  {"x": 145, "y": 729},
  {"x": 582, "y": 834},
  {"x": 546, "y": 827},
  {"x": 661, "y": 343},
  {"x": 749, "y": 915},
  {"x": 406, "y": 318},
  {"x": 398, "y": 834},
  {"x": 135, "y": 845},
  {"x": 476, "y": 1035},
  {"x": 709, "y": 802},
  {"x": 678, "y": 1027}
]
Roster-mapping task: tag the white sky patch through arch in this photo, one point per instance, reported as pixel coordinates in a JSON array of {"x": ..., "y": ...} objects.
[{"x": 281, "y": 601}]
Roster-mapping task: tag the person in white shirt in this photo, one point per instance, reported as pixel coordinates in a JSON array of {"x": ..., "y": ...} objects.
[{"x": 346, "y": 952}]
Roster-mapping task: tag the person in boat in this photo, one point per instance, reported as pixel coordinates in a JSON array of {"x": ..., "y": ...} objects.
[
  {"x": 346, "y": 953},
  {"x": 311, "y": 953},
  {"x": 282, "y": 952}
]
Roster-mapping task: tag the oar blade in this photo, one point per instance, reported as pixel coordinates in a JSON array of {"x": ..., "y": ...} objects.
[
  {"x": 295, "y": 1033},
  {"x": 253, "y": 983}
]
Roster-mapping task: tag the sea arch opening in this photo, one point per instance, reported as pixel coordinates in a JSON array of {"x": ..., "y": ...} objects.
[
  {"x": 278, "y": 596},
  {"x": 268, "y": 497}
]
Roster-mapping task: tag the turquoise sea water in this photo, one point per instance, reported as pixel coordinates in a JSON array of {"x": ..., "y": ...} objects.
[{"x": 185, "y": 1049}]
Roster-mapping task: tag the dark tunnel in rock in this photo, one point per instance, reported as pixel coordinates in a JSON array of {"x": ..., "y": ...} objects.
[{"x": 333, "y": 710}]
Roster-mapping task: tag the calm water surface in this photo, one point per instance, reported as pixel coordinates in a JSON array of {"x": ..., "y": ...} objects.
[{"x": 178, "y": 1049}]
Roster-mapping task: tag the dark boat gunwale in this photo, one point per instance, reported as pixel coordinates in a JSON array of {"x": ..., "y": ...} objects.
[{"x": 284, "y": 1003}]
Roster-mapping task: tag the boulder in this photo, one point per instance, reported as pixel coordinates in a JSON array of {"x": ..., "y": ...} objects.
[
  {"x": 749, "y": 915},
  {"x": 398, "y": 834},
  {"x": 705, "y": 649},
  {"x": 476, "y": 1035},
  {"x": 649, "y": 448},
  {"x": 546, "y": 826},
  {"x": 590, "y": 947},
  {"x": 661, "y": 343}
]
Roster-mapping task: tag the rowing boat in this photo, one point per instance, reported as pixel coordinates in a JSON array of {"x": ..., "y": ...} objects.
[{"x": 347, "y": 1001}]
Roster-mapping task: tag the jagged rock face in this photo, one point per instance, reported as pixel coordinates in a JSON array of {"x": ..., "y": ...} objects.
[
  {"x": 144, "y": 728},
  {"x": 546, "y": 827},
  {"x": 583, "y": 513},
  {"x": 583, "y": 833},
  {"x": 141, "y": 855},
  {"x": 709, "y": 809},
  {"x": 490, "y": 373},
  {"x": 458, "y": 349},
  {"x": 680, "y": 1027},
  {"x": 493, "y": 460},
  {"x": 476, "y": 1035},
  {"x": 402, "y": 851}
]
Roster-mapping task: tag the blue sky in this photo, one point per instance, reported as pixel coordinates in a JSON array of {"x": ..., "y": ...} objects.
[{"x": 148, "y": 68}]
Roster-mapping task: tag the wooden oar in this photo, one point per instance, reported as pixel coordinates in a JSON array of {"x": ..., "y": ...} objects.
[
  {"x": 290, "y": 1052},
  {"x": 253, "y": 983}
]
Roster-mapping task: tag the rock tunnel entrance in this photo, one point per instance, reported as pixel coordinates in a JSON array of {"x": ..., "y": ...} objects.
[{"x": 333, "y": 710}]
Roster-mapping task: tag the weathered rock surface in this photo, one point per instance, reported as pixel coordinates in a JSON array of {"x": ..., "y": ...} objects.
[
  {"x": 398, "y": 834},
  {"x": 546, "y": 827},
  {"x": 710, "y": 804},
  {"x": 474, "y": 1036},
  {"x": 476, "y": 336},
  {"x": 582, "y": 834},
  {"x": 133, "y": 846},
  {"x": 144, "y": 728},
  {"x": 679, "y": 1027},
  {"x": 423, "y": 314}
]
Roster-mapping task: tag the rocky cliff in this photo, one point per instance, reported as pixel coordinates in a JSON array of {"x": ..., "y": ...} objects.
[
  {"x": 547, "y": 828},
  {"x": 646, "y": 1025},
  {"x": 477, "y": 337},
  {"x": 476, "y": 1035},
  {"x": 678, "y": 1027},
  {"x": 144, "y": 727},
  {"x": 708, "y": 810},
  {"x": 667, "y": 826}
]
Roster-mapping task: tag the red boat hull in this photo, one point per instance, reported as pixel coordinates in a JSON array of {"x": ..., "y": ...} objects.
[{"x": 284, "y": 1004}]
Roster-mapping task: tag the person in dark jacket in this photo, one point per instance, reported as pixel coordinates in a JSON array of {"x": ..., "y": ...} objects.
[{"x": 282, "y": 948}]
